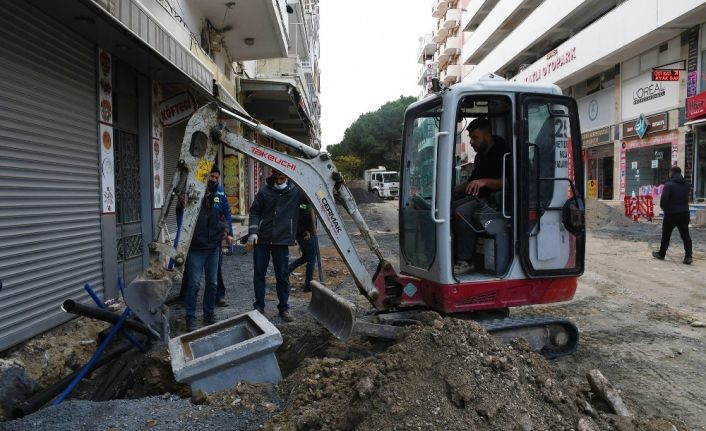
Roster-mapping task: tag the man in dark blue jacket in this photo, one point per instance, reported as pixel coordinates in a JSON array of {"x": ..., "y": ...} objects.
[
  {"x": 272, "y": 229},
  {"x": 675, "y": 204},
  {"x": 204, "y": 253}
]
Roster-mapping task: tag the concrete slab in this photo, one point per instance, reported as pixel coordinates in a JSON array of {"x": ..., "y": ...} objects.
[{"x": 219, "y": 356}]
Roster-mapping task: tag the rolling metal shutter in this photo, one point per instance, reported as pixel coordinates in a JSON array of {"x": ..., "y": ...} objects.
[{"x": 50, "y": 231}]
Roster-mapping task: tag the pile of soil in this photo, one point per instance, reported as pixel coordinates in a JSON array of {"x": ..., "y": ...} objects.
[
  {"x": 449, "y": 374},
  {"x": 363, "y": 196},
  {"x": 600, "y": 215},
  {"x": 49, "y": 357}
]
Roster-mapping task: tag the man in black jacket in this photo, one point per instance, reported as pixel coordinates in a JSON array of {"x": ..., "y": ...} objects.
[
  {"x": 272, "y": 229},
  {"x": 675, "y": 204},
  {"x": 204, "y": 253}
]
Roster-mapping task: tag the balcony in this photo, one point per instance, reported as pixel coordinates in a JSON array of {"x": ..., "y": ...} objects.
[
  {"x": 452, "y": 19},
  {"x": 476, "y": 13},
  {"x": 439, "y": 8},
  {"x": 452, "y": 46},
  {"x": 440, "y": 35},
  {"x": 452, "y": 74},
  {"x": 502, "y": 20},
  {"x": 258, "y": 29},
  {"x": 427, "y": 48}
]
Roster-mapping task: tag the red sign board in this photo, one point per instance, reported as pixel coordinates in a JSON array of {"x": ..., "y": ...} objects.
[
  {"x": 176, "y": 109},
  {"x": 696, "y": 106},
  {"x": 665, "y": 75}
]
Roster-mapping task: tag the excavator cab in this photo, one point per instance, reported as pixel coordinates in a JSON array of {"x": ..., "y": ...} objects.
[{"x": 530, "y": 235}]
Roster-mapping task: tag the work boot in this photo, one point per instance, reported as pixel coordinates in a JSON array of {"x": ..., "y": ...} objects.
[
  {"x": 656, "y": 255},
  {"x": 209, "y": 319},
  {"x": 307, "y": 288},
  {"x": 190, "y": 324},
  {"x": 221, "y": 303},
  {"x": 284, "y": 314},
  {"x": 688, "y": 260}
]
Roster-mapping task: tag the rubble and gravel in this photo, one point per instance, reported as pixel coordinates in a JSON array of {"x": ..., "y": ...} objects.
[{"x": 446, "y": 374}]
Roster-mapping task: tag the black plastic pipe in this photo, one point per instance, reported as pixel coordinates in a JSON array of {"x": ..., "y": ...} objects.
[
  {"x": 71, "y": 306},
  {"x": 36, "y": 401}
]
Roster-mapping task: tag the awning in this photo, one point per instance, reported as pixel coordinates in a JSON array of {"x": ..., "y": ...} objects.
[
  {"x": 695, "y": 122},
  {"x": 129, "y": 32},
  {"x": 279, "y": 105}
]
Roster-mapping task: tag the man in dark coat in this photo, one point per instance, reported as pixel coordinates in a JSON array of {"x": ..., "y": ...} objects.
[
  {"x": 204, "y": 254},
  {"x": 272, "y": 229},
  {"x": 675, "y": 204}
]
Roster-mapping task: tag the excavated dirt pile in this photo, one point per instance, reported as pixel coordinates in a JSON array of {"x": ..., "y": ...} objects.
[{"x": 448, "y": 375}]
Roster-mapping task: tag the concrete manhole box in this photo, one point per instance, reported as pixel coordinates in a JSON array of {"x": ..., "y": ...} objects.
[{"x": 219, "y": 356}]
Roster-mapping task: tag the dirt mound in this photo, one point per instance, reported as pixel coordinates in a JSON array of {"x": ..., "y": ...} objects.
[
  {"x": 363, "y": 196},
  {"x": 448, "y": 375},
  {"x": 600, "y": 214}
]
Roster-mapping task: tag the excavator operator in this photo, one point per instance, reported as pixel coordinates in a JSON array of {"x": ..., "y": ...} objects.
[{"x": 485, "y": 179}]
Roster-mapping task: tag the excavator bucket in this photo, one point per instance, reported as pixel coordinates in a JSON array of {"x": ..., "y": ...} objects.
[
  {"x": 332, "y": 311},
  {"x": 146, "y": 299}
]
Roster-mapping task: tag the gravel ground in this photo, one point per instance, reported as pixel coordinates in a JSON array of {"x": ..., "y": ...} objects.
[{"x": 169, "y": 412}]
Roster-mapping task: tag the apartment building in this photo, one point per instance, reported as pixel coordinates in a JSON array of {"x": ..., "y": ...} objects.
[
  {"x": 94, "y": 98},
  {"x": 601, "y": 52}
]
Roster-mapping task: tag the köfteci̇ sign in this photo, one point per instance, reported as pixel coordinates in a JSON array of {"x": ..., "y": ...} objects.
[{"x": 176, "y": 109}]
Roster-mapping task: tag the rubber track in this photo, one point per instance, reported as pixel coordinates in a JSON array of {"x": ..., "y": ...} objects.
[{"x": 508, "y": 323}]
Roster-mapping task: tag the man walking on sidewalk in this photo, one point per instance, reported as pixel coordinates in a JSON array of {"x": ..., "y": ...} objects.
[{"x": 675, "y": 204}]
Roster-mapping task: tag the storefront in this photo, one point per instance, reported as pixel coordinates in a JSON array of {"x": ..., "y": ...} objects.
[
  {"x": 598, "y": 150},
  {"x": 647, "y": 152},
  {"x": 596, "y": 112},
  {"x": 695, "y": 144}
]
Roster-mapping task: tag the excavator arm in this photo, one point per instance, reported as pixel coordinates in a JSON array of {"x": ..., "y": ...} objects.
[{"x": 315, "y": 175}]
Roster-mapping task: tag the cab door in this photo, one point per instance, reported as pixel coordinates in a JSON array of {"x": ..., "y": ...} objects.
[
  {"x": 551, "y": 225},
  {"x": 421, "y": 210}
]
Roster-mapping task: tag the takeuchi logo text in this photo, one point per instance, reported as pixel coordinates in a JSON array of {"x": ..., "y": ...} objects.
[
  {"x": 555, "y": 61},
  {"x": 274, "y": 158}
]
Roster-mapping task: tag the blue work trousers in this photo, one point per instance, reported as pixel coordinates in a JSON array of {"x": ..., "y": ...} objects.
[
  {"x": 198, "y": 262},
  {"x": 280, "y": 262}
]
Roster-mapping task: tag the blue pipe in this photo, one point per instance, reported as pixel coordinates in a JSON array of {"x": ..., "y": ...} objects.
[
  {"x": 100, "y": 304},
  {"x": 86, "y": 368}
]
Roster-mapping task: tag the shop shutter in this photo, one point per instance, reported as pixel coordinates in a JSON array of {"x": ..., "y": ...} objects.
[{"x": 50, "y": 230}]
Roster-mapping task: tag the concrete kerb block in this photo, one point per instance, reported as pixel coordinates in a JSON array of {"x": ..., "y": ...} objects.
[{"x": 219, "y": 356}]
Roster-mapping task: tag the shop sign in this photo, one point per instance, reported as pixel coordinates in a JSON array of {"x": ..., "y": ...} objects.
[
  {"x": 596, "y": 110},
  {"x": 176, "y": 109},
  {"x": 595, "y": 137},
  {"x": 555, "y": 60},
  {"x": 696, "y": 106},
  {"x": 642, "y": 95},
  {"x": 644, "y": 125},
  {"x": 600, "y": 152}
]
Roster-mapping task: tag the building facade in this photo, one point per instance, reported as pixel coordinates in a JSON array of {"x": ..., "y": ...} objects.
[
  {"x": 94, "y": 97},
  {"x": 602, "y": 53}
]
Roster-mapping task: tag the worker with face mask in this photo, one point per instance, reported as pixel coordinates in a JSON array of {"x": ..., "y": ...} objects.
[
  {"x": 212, "y": 227},
  {"x": 274, "y": 214}
]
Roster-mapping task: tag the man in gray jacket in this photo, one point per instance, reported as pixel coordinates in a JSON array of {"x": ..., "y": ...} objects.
[
  {"x": 272, "y": 229},
  {"x": 675, "y": 204}
]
